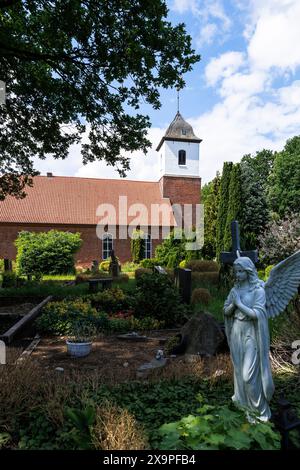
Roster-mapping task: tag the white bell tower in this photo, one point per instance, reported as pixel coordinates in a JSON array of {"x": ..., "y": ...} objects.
[{"x": 179, "y": 150}]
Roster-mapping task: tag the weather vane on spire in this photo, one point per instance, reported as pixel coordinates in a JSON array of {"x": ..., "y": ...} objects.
[{"x": 177, "y": 99}]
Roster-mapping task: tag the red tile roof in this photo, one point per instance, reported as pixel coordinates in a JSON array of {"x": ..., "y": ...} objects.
[{"x": 72, "y": 200}]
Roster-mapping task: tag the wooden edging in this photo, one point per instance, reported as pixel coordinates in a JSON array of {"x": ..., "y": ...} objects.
[{"x": 8, "y": 336}]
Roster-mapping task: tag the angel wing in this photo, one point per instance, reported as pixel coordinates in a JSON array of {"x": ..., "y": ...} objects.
[{"x": 282, "y": 284}]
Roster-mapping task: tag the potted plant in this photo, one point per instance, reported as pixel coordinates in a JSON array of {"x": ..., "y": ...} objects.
[{"x": 79, "y": 342}]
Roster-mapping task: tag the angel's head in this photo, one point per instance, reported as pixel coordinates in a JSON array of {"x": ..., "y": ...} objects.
[{"x": 244, "y": 268}]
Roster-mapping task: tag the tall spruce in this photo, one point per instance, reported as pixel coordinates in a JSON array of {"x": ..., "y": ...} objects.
[{"x": 223, "y": 207}]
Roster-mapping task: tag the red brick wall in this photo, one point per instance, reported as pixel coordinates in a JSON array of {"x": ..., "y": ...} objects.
[
  {"x": 91, "y": 248},
  {"x": 181, "y": 190}
]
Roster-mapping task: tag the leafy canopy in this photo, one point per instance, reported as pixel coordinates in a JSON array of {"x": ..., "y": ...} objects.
[{"x": 78, "y": 68}]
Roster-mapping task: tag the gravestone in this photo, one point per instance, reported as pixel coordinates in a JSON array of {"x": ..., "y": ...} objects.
[
  {"x": 95, "y": 266},
  {"x": 114, "y": 267},
  {"x": 183, "y": 281}
]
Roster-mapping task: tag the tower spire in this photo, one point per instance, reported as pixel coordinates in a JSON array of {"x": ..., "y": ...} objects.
[{"x": 177, "y": 99}]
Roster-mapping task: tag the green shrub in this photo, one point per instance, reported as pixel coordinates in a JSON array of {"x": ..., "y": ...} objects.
[
  {"x": 46, "y": 252},
  {"x": 201, "y": 295},
  {"x": 9, "y": 279},
  {"x": 137, "y": 245},
  {"x": 110, "y": 300},
  {"x": 149, "y": 263},
  {"x": 141, "y": 271},
  {"x": 205, "y": 278},
  {"x": 157, "y": 297},
  {"x": 130, "y": 267},
  {"x": 59, "y": 318},
  {"x": 218, "y": 428},
  {"x": 203, "y": 266}
]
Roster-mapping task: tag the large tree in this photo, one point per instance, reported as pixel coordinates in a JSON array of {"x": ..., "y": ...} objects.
[
  {"x": 72, "y": 66},
  {"x": 284, "y": 181},
  {"x": 255, "y": 171}
]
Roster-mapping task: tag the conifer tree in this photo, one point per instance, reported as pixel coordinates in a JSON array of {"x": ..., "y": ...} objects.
[
  {"x": 223, "y": 207},
  {"x": 234, "y": 204}
]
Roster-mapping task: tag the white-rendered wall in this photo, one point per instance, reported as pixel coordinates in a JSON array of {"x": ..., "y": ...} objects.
[{"x": 169, "y": 152}]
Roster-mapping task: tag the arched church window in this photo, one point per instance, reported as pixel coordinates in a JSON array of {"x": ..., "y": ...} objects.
[
  {"x": 181, "y": 157},
  {"x": 148, "y": 246},
  {"x": 107, "y": 245}
]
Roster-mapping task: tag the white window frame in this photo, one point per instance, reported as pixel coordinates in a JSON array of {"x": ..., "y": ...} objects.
[
  {"x": 148, "y": 246},
  {"x": 106, "y": 251}
]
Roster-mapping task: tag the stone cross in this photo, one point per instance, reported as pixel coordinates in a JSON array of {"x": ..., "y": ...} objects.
[{"x": 228, "y": 257}]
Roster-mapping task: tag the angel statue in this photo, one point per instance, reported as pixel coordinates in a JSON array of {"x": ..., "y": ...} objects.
[{"x": 249, "y": 305}]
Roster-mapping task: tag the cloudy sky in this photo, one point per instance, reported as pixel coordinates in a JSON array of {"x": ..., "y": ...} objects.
[{"x": 243, "y": 96}]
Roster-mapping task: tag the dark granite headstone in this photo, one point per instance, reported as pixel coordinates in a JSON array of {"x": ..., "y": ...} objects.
[{"x": 183, "y": 281}]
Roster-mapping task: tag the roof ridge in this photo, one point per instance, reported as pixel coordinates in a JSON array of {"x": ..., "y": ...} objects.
[{"x": 93, "y": 178}]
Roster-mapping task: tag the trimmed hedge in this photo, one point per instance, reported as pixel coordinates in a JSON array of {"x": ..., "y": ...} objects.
[
  {"x": 203, "y": 266},
  {"x": 201, "y": 295},
  {"x": 205, "y": 278}
]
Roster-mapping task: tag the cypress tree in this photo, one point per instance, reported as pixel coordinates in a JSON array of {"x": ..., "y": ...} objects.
[
  {"x": 211, "y": 205},
  {"x": 234, "y": 204},
  {"x": 223, "y": 207}
]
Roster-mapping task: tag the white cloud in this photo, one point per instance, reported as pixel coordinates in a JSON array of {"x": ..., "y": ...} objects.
[
  {"x": 276, "y": 38},
  {"x": 207, "y": 34},
  {"x": 212, "y": 19},
  {"x": 223, "y": 66}
]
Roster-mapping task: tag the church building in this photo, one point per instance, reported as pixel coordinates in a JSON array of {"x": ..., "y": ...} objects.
[{"x": 83, "y": 204}]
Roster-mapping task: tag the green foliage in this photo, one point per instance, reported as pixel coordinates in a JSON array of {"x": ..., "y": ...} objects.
[
  {"x": 46, "y": 252},
  {"x": 284, "y": 184},
  {"x": 234, "y": 204},
  {"x": 9, "y": 279},
  {"x": 60, "y": 318},
  {"x": 173, "y": 249},
  {"x": 82, "y": 420},
  {"x": 223, "y": 207},
  {"x": 149, "y": 263},
  {"x": 255, "y": 171},
  {"x": 210, "y": 197},
  {"x": 218, "y": 428},
  {"x": 110, "y": 300},
  {"x": 130, "y": 267},
  {"x": 80, "y": 64},
  {"x": 141, "y": 271},
  {"x": 137, "y": 245},
  {"x": 157, "y": 297}
]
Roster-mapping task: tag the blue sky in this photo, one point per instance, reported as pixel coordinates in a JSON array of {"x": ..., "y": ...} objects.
[{"x": 243, "y": 96}]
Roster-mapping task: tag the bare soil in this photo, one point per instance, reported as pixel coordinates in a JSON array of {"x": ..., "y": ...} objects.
[{"x": 112, "y": 358}]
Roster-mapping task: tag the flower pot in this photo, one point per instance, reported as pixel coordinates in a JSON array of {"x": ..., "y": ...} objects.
[{"x": 79, "y": 349}]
